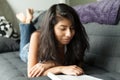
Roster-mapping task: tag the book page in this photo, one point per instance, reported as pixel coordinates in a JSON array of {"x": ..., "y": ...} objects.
[
  {"x": 69, "y": 77},
  {"x": 81, "y": 77}
]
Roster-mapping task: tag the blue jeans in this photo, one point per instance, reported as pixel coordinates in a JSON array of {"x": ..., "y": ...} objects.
[{"x": 25, "y": 33}]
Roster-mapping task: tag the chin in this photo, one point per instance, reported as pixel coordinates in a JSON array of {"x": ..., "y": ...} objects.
[{"x": 65, "y": 43}]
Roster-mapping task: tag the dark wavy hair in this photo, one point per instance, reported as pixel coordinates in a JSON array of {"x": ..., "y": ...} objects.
[{"x": 48, "y": 43}]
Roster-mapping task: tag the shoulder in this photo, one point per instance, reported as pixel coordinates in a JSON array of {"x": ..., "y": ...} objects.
[
  {"x": 36, "y": 33},
  {"x": 35, "y": 36}
]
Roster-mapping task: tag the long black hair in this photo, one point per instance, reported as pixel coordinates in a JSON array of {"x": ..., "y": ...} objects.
[{"x": 48, "y": 42}]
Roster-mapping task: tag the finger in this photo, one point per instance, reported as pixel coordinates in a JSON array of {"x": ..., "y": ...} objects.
[
  {"x": 35, "y": 73},
  {"x": 78, "y": 71},
  {"x": 34, "y": 67},
  {"x": 74, "y": 73},
  {"x": 40, "y": 72},
  {"x": 81, "y": 70},
  {"x": 33, "y": 70}
]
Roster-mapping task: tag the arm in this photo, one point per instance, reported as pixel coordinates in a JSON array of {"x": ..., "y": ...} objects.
[
  {"x": 70, "y": 70},
  {"x": 33, "y": 51},
  {"x": 35, "y": 68}
]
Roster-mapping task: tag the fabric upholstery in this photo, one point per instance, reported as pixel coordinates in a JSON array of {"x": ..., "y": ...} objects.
[
  {"x": 5, "y": 27},
  {"x": 38, "y": 18},
  {"x": 8, "y": 45},
  {"x": 104, "y": 12},
  {"x": 102, "y": 60},
  {"x": 13, "y": 68},
  {"x": 104, "y": 50}
]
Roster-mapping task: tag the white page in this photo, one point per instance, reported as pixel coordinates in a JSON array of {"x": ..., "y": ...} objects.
[{"x": 69, "y": 77}]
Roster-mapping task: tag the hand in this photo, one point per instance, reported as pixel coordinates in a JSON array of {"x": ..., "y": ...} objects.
[
  {"x": 39, "y": 68},
  {"x": 69, "y": 70},
  {"x": 72, "y": 70}
]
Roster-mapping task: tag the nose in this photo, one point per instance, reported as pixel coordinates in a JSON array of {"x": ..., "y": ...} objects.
[{"x": 68, "y": 33}]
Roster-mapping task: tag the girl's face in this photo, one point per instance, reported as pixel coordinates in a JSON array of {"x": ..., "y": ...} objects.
[{"x": 64, "y": 31}]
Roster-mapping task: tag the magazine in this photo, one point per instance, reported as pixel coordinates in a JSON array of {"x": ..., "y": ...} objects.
[{"x": 69, "y": 77}]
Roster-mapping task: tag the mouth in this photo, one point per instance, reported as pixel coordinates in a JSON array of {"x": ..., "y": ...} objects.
[{"x": 66, "y": 40}]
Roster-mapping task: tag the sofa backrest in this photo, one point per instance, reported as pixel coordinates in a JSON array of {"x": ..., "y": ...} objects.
[{"x": 104, "y": 46}]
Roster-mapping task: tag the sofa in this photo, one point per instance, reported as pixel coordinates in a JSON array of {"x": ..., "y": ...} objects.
[{"x": 101, "y": 60}]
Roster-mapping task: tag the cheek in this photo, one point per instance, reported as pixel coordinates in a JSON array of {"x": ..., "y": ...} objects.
[
  {"x": 58, "y": 34},
  {"x": 73, "y": 33}
]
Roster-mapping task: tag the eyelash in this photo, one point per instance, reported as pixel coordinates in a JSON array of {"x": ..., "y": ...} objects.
[
  {"x": 72, "y": 28},
  {"x": 62, "y": 28}
]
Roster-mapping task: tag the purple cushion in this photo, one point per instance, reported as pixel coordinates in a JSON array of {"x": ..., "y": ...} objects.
[{"x": 104, "y": 12}]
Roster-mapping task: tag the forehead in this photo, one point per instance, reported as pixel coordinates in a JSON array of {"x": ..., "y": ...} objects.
[
  {"x": 61, "y": 18},
  {"x": 64, "y": 22}
]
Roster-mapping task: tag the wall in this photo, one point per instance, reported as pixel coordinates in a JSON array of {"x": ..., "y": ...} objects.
[
  {"x": 9, "y": 8},
  {"x": 77, "y": 2},
  {"x": 7, "y": 12},
  {"x": 21, "y": 5}
]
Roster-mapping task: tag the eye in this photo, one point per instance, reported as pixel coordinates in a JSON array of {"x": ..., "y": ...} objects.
[
  {"x": 72, "y": 28},
  {"x": 62, "y": 28}
]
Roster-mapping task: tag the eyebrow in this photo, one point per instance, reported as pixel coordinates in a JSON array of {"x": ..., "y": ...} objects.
[
  {"x": 63, "y": 25},
  {"x": 66, "y": 26}
]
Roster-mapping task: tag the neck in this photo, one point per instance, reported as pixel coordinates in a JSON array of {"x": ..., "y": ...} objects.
[{"x": 59, "y": 45}]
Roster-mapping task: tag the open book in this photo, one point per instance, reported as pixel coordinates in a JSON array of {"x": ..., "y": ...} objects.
[{"x": 69, "y": 77}]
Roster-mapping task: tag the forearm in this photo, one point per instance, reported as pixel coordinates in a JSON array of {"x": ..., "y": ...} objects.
[
  {"x": 54, "y": 70},
  {"x": 70, "y": 70},
  {"x": 51, "y": 63},
  {"x": 39, "y": 68}
]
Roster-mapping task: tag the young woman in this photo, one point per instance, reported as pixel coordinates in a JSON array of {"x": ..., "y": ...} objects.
[{"x": 58, "y": 46}]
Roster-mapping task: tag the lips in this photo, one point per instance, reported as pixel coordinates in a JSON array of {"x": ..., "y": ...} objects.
[{"x": 66, "y": 40}]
